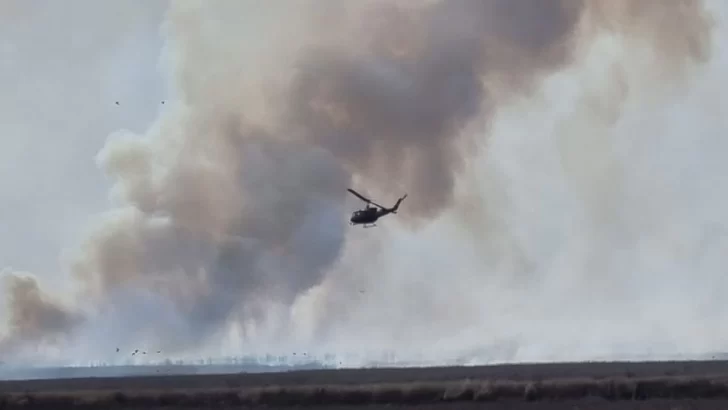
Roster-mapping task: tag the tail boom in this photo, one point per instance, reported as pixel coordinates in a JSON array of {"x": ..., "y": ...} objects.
[{"x": 396, "y": 206}]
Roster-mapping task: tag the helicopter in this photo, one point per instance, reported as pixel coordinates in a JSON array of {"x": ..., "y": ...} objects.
[{"x": 369, "y": 215}]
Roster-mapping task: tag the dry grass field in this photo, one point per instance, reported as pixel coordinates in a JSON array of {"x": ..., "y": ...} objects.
[{"x": 658, "y": 385}]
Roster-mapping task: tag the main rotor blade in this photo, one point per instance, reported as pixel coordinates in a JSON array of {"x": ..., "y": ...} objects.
[
  {"x": 363, "y": 198},
  {"x": 358, "y": 195}
]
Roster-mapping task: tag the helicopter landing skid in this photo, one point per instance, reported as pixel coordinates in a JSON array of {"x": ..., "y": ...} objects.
[{"x": 363, "y": 225}]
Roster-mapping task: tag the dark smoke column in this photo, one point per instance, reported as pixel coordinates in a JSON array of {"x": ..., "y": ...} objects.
[{"x": 395, "y": 108}]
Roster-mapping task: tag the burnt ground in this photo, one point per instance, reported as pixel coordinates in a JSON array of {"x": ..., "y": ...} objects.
[
  {"x": 511, "y": 372},
  {"x": 619, "y": 385}
]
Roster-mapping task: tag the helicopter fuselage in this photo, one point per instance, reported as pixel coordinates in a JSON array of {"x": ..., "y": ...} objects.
[{"x": 365, "y": 216}]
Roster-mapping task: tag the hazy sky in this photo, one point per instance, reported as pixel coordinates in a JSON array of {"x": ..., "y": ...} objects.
[
  {"x": 591, "y": 221},
  {"x": 62, "y": 67}
]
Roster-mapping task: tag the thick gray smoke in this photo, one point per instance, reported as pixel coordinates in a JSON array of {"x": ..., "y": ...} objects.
[
  {"x": 393, "y": 106},
  {"x": 35, "y": 317},
  {"x": 232, "y": 205}
]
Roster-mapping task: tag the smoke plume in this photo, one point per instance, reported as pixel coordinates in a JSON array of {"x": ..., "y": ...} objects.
[
  {"x": 231, "y": 208},
  {"x": 393, "y": 107},
  {"x": 36, "y": 317}
]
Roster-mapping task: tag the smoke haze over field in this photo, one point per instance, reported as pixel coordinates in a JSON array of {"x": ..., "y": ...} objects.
[{"x": 562, "y": 160}]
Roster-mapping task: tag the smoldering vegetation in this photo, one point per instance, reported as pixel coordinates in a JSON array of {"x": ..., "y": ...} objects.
[
  {"x": 582, "y": 392},
  {"x": 696, "y": 384},
  {"x": 226, "y": 216}
]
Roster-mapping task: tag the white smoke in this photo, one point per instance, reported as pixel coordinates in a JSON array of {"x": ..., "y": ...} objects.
[{"x": 599, "y": 225}]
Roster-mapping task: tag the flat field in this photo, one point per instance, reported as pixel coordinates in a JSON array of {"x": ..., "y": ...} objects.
[{"x": 617, "y": 385}]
